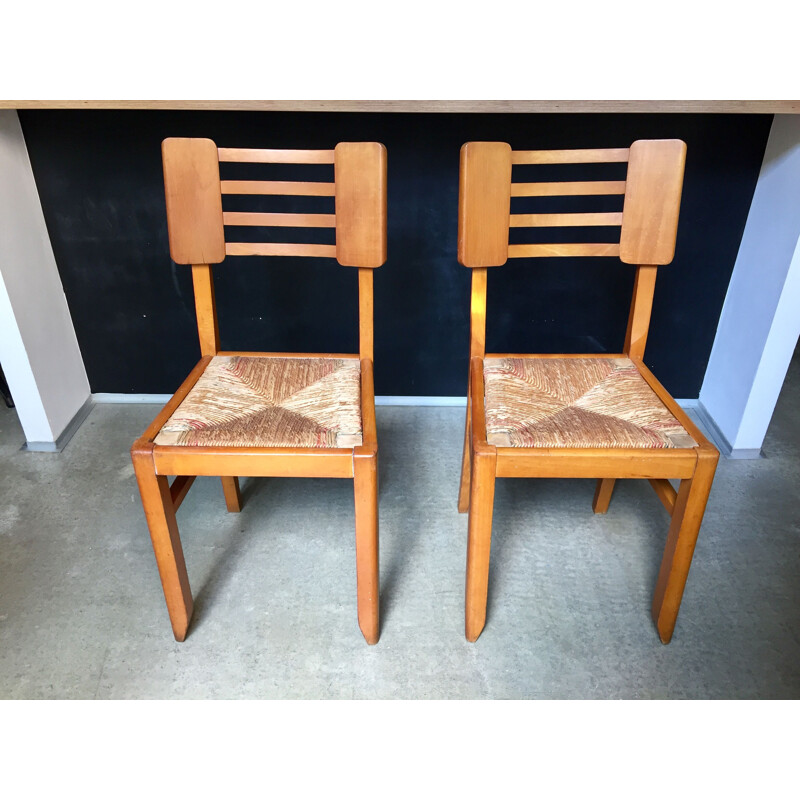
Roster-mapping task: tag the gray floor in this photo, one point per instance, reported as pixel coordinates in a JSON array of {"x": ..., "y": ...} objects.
[{"x": 82, "y": 614}]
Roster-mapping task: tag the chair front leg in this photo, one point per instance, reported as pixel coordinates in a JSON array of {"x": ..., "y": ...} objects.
[
  {"x": 481, "y": 506},
  {"x": 687, "y": 516},
  {"x": 160, "y": 514},
  {"x": 365, "y": 484},
  {"x": 233, "y": 497}
]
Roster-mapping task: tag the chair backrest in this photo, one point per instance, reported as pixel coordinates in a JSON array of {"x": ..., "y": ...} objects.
[
  {"x": 197, "y": 222},
  {"x": 647, "y": 224}
]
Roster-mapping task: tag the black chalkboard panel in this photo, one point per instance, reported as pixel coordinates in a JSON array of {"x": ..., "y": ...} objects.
[{"x": 100, "y": 181}]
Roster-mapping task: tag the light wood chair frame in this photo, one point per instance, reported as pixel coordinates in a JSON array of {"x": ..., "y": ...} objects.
[
  {"x": 197, "y": 237},
  {"x": 648, "y": 230}
]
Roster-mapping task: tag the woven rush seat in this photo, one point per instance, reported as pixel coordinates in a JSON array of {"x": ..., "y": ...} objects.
[
  {"x": 270, "y": 401},
  {"x": 575, "y": 402}
]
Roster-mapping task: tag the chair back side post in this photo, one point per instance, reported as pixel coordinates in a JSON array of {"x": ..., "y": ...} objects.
[
  {"x": 195, "y": 224},
  {"x": 648, "y": 222},
  {"x": 361, "y": 214},
  {"x": 365, "y": 314},
  {"x": 484, "y": 203},
  {"x": 644, "y": 285},
  {"x": 205, "y": 309},
  {"x": 649, "y": 226}
]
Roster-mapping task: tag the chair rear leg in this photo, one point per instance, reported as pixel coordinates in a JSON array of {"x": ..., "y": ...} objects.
[
  {"x": 686, "y": 518},
  {"x": 602, "y": 495},
  {"x": 466, "y": 466},
  {"x": 479, "y": 545},
  {"x": 365, "y": 485},
  {"x": 233, "y": 497},
  {"x": 160, "y": 514}
]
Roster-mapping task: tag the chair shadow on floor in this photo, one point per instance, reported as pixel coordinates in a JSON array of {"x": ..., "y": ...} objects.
[
  {"x": 260, "y": 497},
  {"x": 517, "y": 502}
]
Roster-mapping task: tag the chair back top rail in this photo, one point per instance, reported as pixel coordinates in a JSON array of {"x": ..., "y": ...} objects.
[
  {"x": 648, "y": 221},
  {"x": 197, "y": 222}
]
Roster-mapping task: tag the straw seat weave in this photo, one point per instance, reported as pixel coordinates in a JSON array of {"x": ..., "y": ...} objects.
[
  {"x": 269, "y": 401},
  {"x": 575, "y": 402}
]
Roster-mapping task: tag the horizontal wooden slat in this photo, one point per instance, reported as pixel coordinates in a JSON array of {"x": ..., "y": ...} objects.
[
  {"x": 551, "y": 250},
  {"x": 526, "y": 462},
  {"x": 606, "y": 156},
  {"x": 260, "y": 354},
  {"x": 279, "y": 220},
  {"x": 563, "y": 189},
  {"x": 565, "y": 220},
  {"x": 550, "y": 355},
  {"x": 252, "y": 156},
  {"x": 314, "y": 189},
  {"x": 279, "y": 462},
  {"x": 279, "y": 249}
]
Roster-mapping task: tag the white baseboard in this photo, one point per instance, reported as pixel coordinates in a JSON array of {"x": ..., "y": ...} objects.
[{"x": 112, "y": 397}]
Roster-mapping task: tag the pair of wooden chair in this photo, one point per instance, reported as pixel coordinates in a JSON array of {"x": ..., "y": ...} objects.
[{"x": 313, "y": 414}]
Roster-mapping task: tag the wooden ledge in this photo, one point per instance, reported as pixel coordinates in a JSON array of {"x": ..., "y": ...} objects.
[{"x": 434, "y": 106}]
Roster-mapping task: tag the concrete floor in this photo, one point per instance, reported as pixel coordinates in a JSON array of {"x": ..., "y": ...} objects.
[{"x": 82, "y": 614}]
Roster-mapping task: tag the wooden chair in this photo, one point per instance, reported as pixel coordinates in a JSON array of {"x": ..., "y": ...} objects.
[
  {"x": 267, "y": 414},
  {"x": 601, "y": 416}
]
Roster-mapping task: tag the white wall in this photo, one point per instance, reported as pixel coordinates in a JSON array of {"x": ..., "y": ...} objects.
[
  {"x": 39, "y": 352},
  {"x": 760, "y": 320}
]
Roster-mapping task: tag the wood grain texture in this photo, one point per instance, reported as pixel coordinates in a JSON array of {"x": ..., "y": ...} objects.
[
  {"x": 484, "y": 202},
  {"x": 286, "y": 355},
  {"x": 562, "y": 250},
  {"x": 687, "y": 516},
  {"x": 667, "y": 399},
  {"x": 360, "y": 177},
  {"x": 266, "y": 220},
  {"x": 479, "y": 541},
  {"x": 289, "y": 188},
  {"x": 266, "y": 156},
  {"x": 466, "y": 458},
  {"x": 567, "y": 188},
  {"x": 435, "y": 106},
  {"x": 608, "y": 219},
  {"x": 179, "y": 488},
  {"x": 206, "y": 309},
  {"x": 368, "y": 427},
  {"x": 365, "y": 484},
  {"x": 194, "y": 205},
  {"x": 477, "y": 313},
  {"x": 606, "y": 462},
  {"x": 288, "y": 462},
  {"x": 644, "y": 286},
  {"x": 366, "y": 302},
  {"x": 652, "y": 201},
  {"x": 233, "y": 495},
  {"x": 159, "y": 510},
  {"x": 478, "y": 410},
  {"x": 601, "y": 156},
  {"x": 280, "y": 249},
  {"x": 602, "y": 495},
  {"x": 173, "y": 403},
  {"x": 665, "y": 492}
]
